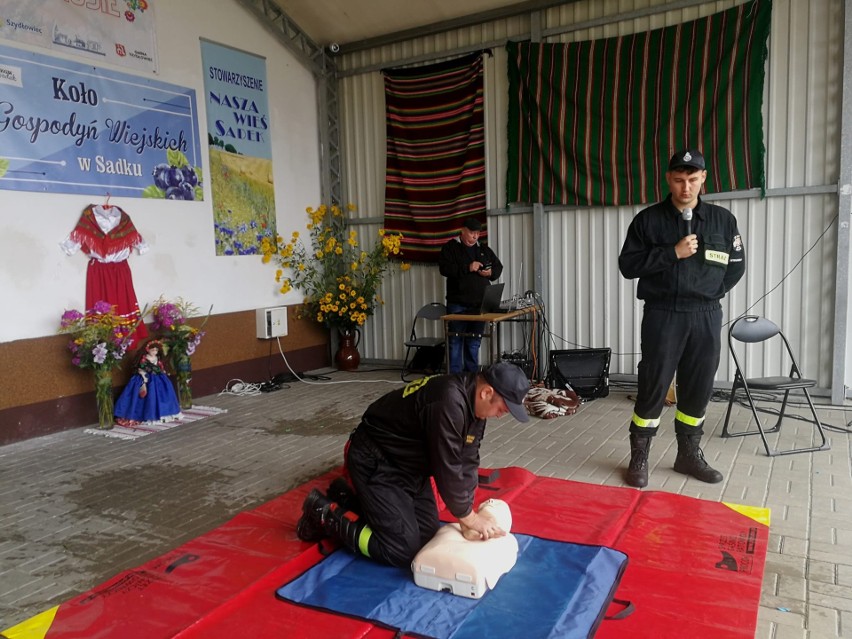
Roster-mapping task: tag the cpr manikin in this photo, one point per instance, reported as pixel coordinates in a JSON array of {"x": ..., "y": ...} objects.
[{"x": 451, "y": 563}]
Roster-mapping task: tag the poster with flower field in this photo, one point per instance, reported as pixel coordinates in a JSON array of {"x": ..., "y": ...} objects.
[{"x": 240, "y": 146}]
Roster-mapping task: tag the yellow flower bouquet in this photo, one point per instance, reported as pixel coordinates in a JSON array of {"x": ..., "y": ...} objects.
[{"x": 340, "y": 280}]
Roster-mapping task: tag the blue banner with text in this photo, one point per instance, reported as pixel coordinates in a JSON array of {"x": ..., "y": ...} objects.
[{"x": 67, "y": 127}]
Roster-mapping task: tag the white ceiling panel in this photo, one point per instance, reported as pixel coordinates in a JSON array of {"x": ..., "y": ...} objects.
[{"x": 345, "y": 21}]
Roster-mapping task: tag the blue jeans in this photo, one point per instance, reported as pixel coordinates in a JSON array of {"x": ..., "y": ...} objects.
[{"x": 464, "y": 351}]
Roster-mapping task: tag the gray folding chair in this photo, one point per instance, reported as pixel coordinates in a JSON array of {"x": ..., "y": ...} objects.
[
  {"x": 751, "y": 329},
  {"x": 431, "y": 312}
]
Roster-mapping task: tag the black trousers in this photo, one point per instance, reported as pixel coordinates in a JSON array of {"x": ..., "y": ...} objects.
[
  {"x": 689, "y": 343},
  {"x": 399, "y": 508}
]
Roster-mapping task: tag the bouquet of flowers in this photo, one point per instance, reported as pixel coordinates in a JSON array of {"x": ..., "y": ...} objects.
[
  {"x": 169, "y": 321},
  {"x": 100, "y": 338},
  {"x": 180, "y": 339},
  {"x": 339, "y": 279}
]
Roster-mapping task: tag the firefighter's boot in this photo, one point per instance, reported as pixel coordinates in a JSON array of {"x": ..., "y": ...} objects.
[
  {"x": 309, "y": 527},
  {"x": 690, "y": 460},
  {"x": 342, "y": 493},
  {"x": 637, "y": 471},
  {"x": 347, "y": 527}
]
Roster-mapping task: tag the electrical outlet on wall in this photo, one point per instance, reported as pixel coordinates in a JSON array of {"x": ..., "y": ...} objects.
[{"x": 271, "y": 322}]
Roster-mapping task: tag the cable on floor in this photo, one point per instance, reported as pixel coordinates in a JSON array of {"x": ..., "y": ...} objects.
[
  {"x": 304, "y": 378},
  {"x": 240, "y": 388}
]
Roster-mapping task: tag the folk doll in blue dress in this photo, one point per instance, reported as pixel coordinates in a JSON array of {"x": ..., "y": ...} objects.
[{"x": 149, "y": 395}]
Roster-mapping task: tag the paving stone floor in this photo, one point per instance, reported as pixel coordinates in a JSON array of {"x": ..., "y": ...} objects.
[{"x": 75, "y": 509}]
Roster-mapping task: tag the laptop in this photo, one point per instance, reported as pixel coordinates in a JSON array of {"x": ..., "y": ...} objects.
[
  {"x": 491, "y": 299},
  {"x": 517, "y": 300}
]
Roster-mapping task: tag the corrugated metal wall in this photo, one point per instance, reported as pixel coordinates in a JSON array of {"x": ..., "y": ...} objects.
[{"x": 790, "y": 235}]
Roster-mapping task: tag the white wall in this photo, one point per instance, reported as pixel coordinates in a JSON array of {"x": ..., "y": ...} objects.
[{"x": 38, "y": 281}]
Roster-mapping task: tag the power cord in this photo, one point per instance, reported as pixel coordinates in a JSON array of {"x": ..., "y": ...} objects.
[
  {"x": 240, "y": 388},
  {"x": 790, "y": 272},
  {"x": 273, "y": 385},
  {"x": 243, "y": 389},
  {"x": 304, "y": 378},
  {"x": 751, "y": 306}
]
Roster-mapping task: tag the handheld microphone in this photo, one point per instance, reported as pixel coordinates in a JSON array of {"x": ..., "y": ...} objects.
[{"x": 687, "y": 216}]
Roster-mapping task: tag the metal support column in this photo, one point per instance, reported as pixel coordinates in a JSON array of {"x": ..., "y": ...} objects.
[
  {"x": 541, "y": 253},
  {"x": 331, "y": 159},
  {"x": 840, "y": 374}
]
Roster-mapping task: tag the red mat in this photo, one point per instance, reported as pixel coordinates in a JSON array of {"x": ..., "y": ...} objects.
[{"x": 695, "y": 569}]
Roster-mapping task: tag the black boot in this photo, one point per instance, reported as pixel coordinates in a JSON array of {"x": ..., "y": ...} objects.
[
  {"x": 309, "y": 527},
  {"x": 690, "y": 460},
  {"x": 637, "y": 471},
  {"x": 346, "y": 527},
  {"x": 340, "y": 492}
]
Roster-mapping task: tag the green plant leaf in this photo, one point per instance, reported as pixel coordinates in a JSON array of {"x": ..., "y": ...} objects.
[
  {"x": 176, "y": 158},
  {"x": 155, "y": 192},
  {"x": 4, "y": 166}
]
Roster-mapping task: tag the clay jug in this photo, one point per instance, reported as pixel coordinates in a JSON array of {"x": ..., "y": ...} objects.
[{"x": 347, "y": 357}]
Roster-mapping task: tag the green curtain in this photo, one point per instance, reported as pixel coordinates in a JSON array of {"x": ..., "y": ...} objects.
[{"x": 594, "y": 123}]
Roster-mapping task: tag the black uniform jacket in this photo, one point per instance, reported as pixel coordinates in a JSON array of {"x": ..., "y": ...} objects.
[
  {"x": 696, "y": 283},
  {"x": 464, "y": 287},
  {"x": 429, "y": 428}
]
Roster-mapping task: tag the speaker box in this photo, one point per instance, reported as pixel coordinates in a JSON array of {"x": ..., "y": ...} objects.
[{"x": 585, "y": 370}]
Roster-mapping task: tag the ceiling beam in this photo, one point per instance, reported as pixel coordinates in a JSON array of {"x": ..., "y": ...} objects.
[
  {"x": 449, "y": 25},
  {"x": 317, "y": 60},
  {"x": 308, "y": 52}
]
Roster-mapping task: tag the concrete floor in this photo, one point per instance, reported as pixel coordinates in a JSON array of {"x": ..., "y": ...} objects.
[{"x": 75, "y": 509}]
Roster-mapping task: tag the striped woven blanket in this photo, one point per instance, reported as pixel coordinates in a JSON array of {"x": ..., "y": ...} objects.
[{"x": 435, "y": 153}]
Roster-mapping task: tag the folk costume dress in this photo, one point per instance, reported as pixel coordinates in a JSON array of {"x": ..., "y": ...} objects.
[
  {"x": 107, "y": 236},
  {"x": 160, "y": 402}
]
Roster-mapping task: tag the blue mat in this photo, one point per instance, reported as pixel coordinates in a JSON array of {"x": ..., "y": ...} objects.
[{"x": 556, "y": 589}]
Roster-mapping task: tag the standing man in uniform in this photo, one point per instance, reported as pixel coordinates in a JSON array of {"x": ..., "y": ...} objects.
[
  {"x": 432, "y": 427},
  {"x": 687, "y": 255},
  {"x": 469, "y": 268}
]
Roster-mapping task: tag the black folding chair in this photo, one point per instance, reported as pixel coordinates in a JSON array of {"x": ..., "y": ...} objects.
[
  {"x": 431, "y": 312},
  {"x": 751, "y": 329}
]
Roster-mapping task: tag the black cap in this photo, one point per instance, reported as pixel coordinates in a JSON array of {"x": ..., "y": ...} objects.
[
  {"x": 472, "y": 224},
  {"x": 687, "y": 158},
  {"x": 512, "y": 385}
]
